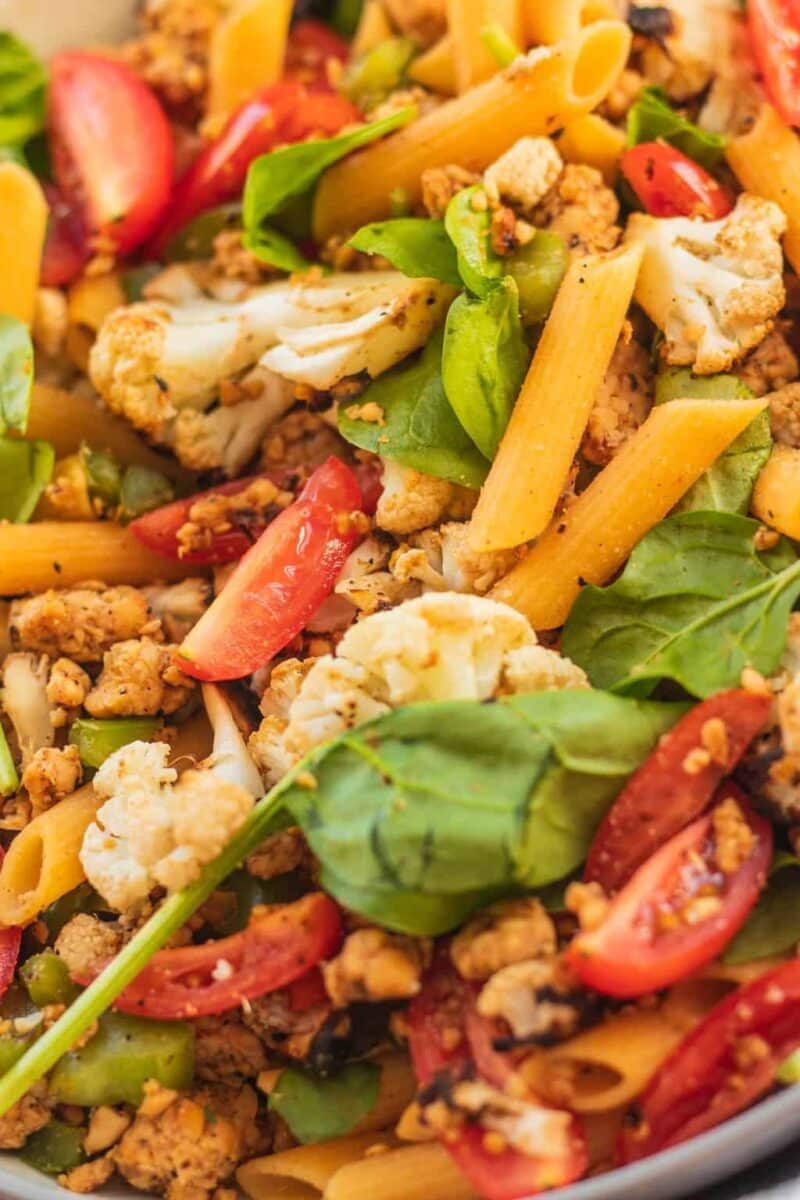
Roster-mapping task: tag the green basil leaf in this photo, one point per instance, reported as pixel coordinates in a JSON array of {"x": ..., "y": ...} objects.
[
  {"x": 469, "y": 229},
  {"x": 275, "y": 179},
  {"x": 25, "y": 471},
  {"x": 484, "y": 362},
  {"x": 773, "y": 926},
  {"x": 419, "y": 427},
  {"x": 317, "y": 1109},
  {"x": 271, "y": 247},
  {"x": 419, "y": 248},
  {"x": 696, "y": 603},
  {"x": 652, "y": 118},
  {"x": 422, "y": 816},
  {"x": 23, "y": 83},
  {"x": 727, "y": 485},
  {"x": 16, "y": 374}
]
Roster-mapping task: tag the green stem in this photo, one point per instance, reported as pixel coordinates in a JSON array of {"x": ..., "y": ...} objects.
[
  {"x": 101, "y": 994},
  {"x": 500, "y": 44}
]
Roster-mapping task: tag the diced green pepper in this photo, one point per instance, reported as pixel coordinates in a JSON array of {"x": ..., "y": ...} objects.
[
  {"x": 537, "y": 269},
  {"x": 9, "y": 779},
  {"x": 82, "y": 899},
  {"x": 47, "y": 979},
  {"x": 97, "y": 739},
  {"x": 55, "y": 1149},
  {"x": 102, "y": 473},
  {"x": 125, "y": 1052},
  {"x": 143, "y": 490},
  {"x": 370, "y": 78},
  {"x": 12, "y": 1049}
]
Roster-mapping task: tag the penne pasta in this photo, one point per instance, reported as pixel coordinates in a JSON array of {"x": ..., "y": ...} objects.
[
  {"x": 535, "y": 456},
  {"x": 23, "y": 224},
  {"x": 302, "y": 1173},
  {"x": 247, "y": 52},
  {"x": 535, "y": 95},
  {"x": 421, "y": 1172},
  {"x": 776, "y": 496},
  {"x": 547, "y": 21},
  {"x": 398, "y": 1087},
  {"x": 766, "y": 160},
  {"x": 62, "y": 553},
  {"x": 374, "y": 27},
  {"x": 42, "y": 863},
  {"x": 593, "y": 538},
  {"x": 595, "y": 141},
  {"x": 90, "y": 300},
  {"x": 466, "y": 19},
  {"x": 436, "y": 68}
]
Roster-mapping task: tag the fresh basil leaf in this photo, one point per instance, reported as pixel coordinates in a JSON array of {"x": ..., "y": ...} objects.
[
  {"x": 484, "y": 362},
  {"x": 25, "y": 471},
  {"x": 23, "y": 83},
  {"x": 420, "y": 249},
  {"x": 696, "y": 603},
  {"x": 422, "y": 816},
  {"x": 271, "y": 247},
  {"x": 773, "y": 926},
  {"x": 317, "y": 1109},
  {"x": 16, "y": 374},
  {"x": 469, "y": 228},
  {"x": 419, "y": 427},
  {"x": 727, "y": 485},
  {"x": 275, "y": 179},
  {"x": 652, "y": 118}
]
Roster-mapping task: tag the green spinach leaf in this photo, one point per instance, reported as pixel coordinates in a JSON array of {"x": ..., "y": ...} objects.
[
  {"x": 23, "y": 82},
  {"x": 16, "y": 374},
  {"x": 484, "y": 362},
  {"x": 696, "y": 603},
  {"x": 420, "y": 249},
  {"x": 25, "y": 471},
  {"x": 419, "y": 427},
  {"x": 469, "y": 227},
  {"x": 425, "y": 814},
  {"x": 317, "y": 1109},
  {"x": 652, "y": 118},
  {"x": 774, "y": 924}
]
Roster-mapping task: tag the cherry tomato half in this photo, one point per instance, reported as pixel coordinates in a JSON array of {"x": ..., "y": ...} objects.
[
  {"x": 671, "y": 185},
  {"x": 775, "y": 41}
]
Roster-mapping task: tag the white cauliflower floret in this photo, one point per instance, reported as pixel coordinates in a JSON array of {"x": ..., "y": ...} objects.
[
  {"x": 688, "y": 58},
  {"x": 229, "y": 758},
  {"x": 524, "y": 174},
  {"x": 441, "y": 646},
  {"x": 712, "y": 287},
  {"x": 155, "y": 358},
  {"x": 411, "y": 501},
  {"x": 26, "y": 702},
  {"x": 231, "y": 435}
]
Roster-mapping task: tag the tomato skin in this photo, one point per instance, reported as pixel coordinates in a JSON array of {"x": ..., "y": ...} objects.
[
  {"x": 701, "y": 1084},
  {"x": 671, "y": 185},
  {"x": 10, "y": 942},
  {"x": 625, "y": 957},
  {"x": 775, "y": 41},
  {"x": 278, "y": 947},
  {"x": 661, "y": 797},
  {"x": 113, "y": 151},
  {"x": 279, "y": 584},
  {"x": 311, "y": 45},
  {"x": 65, "y": 250}
]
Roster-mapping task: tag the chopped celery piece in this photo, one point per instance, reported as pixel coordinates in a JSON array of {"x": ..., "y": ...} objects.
[
  {"x": 97, "y": 739},
  {"x": 114, "y": 1065},
  {"x": 500, "y": 44},
  {"x": 371, "y": 78},
  {"x": 55, "y": 1149},
  {"x": 9, "y": 779},
  {"x": 47, "y": 979}
]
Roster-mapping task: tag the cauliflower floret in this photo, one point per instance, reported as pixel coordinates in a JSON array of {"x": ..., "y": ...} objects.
[
  {"x": 623, "y": 400},
  {"x": 26, "y": 704},
  {"x": 375, "y": 965},
  {"x": 50, "y": 775},
  {"x": 538, "y": 998},
  {"x": 139, "y": 679},
  {"x": 28, "y": 1115},
  {"x": 582, "y": 210},
  {"x": 537, "y": 669},
  {"x": 411, "y": 501},
  {"x": 229, "y": 436},
  {"x": 178, "y": 607},
  {"x": 771, "y": 366},
  {"x": 524, "y": 175},
  {"x": 688, "y": 58},
  {"x": 712, "y": 287},
  {"x": 467, "y": 570},
  {"x": 155, "y": 358},
  {"x": 80, "y": 623},
  {"x": 365, "y": 583},
  {"x": 151, "y": 831},
  {"x": 86, "y": 944}
]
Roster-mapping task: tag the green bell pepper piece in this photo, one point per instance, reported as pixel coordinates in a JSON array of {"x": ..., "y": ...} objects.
[
  {"x": 47, "y": 979},
  {"x": 55, "y": 1149},
  {"x": 96, "y": 740}
]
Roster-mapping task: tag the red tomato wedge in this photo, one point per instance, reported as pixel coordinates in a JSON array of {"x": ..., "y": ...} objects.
[
  {"x": 663, "y": 795},
  {"x": 113, "y": 152},
  {"x": 10, "y": 941},
  {"x": 280, "y": 583},
  {"x": 725, "y": 1063},
  {"x": 278, "y": 947},
  {"x": 677, "y": 912},
  {"x": 311, "y": 47},
  {"x": 775, "y": 41},
  {"x": 65, "y": 250},
  {"x": 279, "y": 114},
  {"x": 440, "y": 1008},
  {"x": 671, "y": 185}
]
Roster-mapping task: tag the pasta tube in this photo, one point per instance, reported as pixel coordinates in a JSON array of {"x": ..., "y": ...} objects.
[
  {"x": 397, "y": 1089},
  {"x": 422, "y": 1172},
  {"x": 247, "y": 51},
  {"x": 466, "y": 19},
  {"x": 23, "y": 224},
  {"x": 551, "y": 413},
  {"x": 436, "y": 68},
  {"x": 90, "y": 301},
  {"x": 374, "y": 27},
  {"x": 776, "y": 496},
  {"x": 594, "y": 141},
  {"x": 302, "y": 1173},
  {"x": 547, "y": 21},
  {"x": 593, "y": 538},
  {"x": 535, "y": 95},
  {"x": 50, "y": 554},
  {"x": 766, "y": 161},
  {"x": 42, "y": 863}
]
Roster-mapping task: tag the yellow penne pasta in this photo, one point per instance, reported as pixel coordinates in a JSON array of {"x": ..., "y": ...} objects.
[
  {"x": 302, "y": 1173},
  {"x": 421, "y": 1172},
  {"x": 398, "y": 1086},
  {"x": 192, "y": 742},
  {"x": 247, "y": 51},
  {"x": 374, "y": 27},
  {"x": 594, "y": 141},
  {"x": 436, "y": 68},
  {"x": 766, "y": 161},
  {"x": 67, "y": 419},
  {"x": 466, "y": 20},
  {"x": 42, "y": 863},
  {"x": 89, "y": 302},
  {"x": 23, "y": 224},
  {"x": 62, "y": 553},
  {"x": 594, "y": 537},
  {"x": 776, "y": 496},
  {"x": 535, "y": 95},
  {"x": 547, "y": 21},
  {"x": 535, "y": 456}
]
